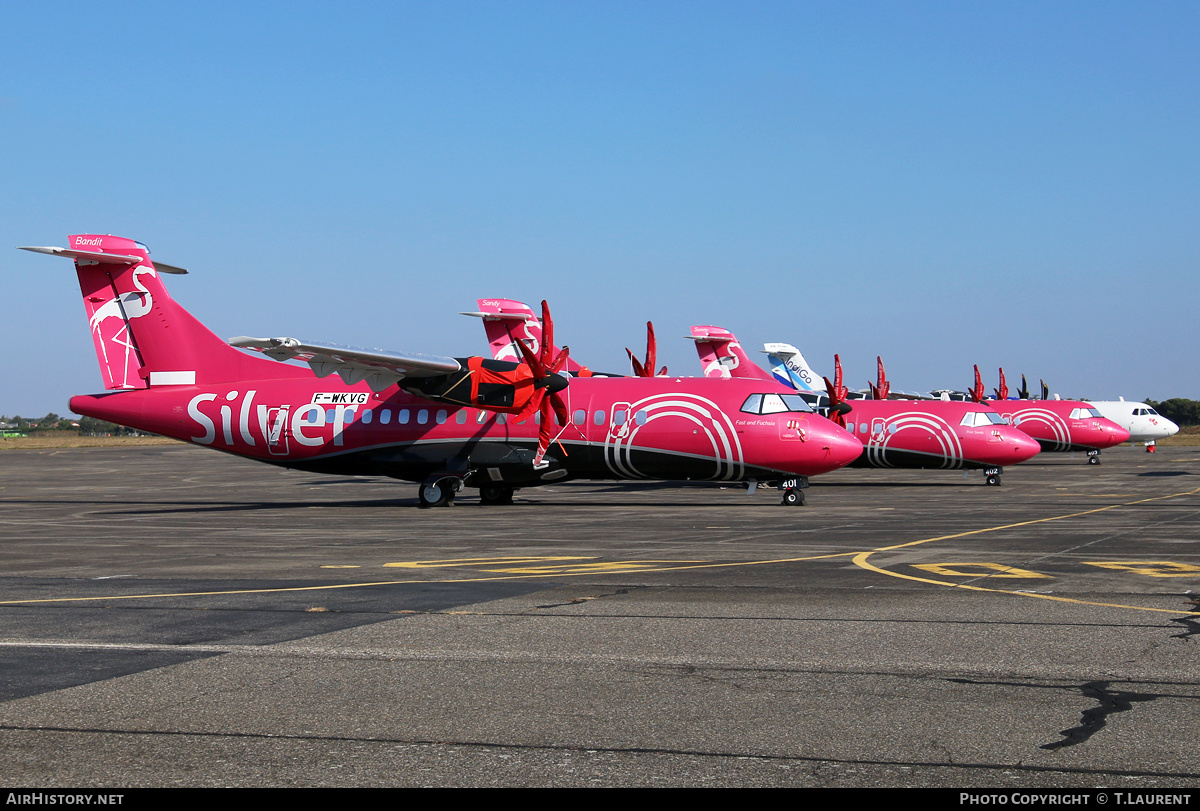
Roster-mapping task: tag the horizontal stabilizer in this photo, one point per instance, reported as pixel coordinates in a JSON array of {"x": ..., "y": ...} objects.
[
  {"x": 101, "y": 257},
  {"x": 498, "y": 316},
  {"x": 711, "y": 335},
  {"x": 782, "y": 350}
]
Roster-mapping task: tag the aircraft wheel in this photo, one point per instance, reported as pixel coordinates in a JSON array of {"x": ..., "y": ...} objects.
[
  {"x": 1093, "y": 460},
  {"x": 436, "y": 494},
  {"x": 993, "y": 480},
  {"x": 793, "y": 497},
  {"x": 496, "y": 494}
]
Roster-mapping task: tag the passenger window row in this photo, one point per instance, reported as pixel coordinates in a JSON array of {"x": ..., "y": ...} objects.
[{"x": 316, "y": 416}]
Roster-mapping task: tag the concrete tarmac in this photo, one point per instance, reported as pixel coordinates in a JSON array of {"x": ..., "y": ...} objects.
[{"x": 171, "y": 616}]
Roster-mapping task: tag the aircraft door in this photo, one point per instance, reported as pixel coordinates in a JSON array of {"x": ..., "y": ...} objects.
[
  {"x": 277, "y": 431},
  {"x": 618, "y": 426},
  {"x": 878, "y": 428}
]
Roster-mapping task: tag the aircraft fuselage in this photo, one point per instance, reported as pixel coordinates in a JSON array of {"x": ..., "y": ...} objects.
[
  {"x": 619, "y": 428},
  {"x": 1061, "y": 425},
  {"x": 934, "y": 434}
]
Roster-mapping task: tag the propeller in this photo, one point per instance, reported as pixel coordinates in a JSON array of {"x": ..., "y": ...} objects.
[
  {"x": 646, "y": 369},
  {"x": 547, "y": 383},
  {"x": 838, "y": 408},
  {"x": 977, "y": 392},
  {"x": 1002, "y": 392},
  {"x": 880, "y": 390}
]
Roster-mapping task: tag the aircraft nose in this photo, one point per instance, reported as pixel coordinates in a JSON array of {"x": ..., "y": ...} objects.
[
  {"x": 1024, "y": 447},
  {"x": 1115, "y": 433},
  {"x": 839, "y": 446}
]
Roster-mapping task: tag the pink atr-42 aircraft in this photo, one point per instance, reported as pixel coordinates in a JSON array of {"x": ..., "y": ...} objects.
[
  {"x": 1057, "y": 425},
  {"x": 895, "y": 433},
  {"x": 442, "y": 422},
  {"x": 905, "y": 433}
]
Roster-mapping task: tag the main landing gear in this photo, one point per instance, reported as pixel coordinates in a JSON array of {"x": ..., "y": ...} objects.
[
  {"x": 496, "y": 494},
  {"x": 993, "y": 475},
  {"x": 438, "y": 492},
  {"x": 1093, "y": 457}
]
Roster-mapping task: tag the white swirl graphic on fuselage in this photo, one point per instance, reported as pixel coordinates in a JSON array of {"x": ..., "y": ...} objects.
[
  {"x": 942, "y": 432},
  {"x": 619, "y": 445},
  {"x": 1056, "y": 424}
]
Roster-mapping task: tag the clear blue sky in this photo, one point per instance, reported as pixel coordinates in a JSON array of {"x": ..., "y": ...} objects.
[{"x": 944, "y": 184}]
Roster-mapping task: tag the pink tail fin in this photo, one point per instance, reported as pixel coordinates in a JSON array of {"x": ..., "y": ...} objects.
[
  {"x": 722, "y": 356},
  {"x": 142, "y": 337}
]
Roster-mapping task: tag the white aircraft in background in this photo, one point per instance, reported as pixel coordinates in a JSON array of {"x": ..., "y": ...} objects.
[{"x": 1143, "y": 423}]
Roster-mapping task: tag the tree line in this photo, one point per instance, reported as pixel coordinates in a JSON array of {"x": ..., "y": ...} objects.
[{"x": 83, "y": 426}]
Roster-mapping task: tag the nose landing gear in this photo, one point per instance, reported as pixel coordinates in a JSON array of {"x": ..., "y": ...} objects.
[
  {"x": 993, "y": 475},
  {"x": 793, "y": 491},
  {"x": 1093, "y": 457}
]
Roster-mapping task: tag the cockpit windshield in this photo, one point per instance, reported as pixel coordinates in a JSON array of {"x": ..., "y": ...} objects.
[
  {"x": 774, "y": 404},
  {"x": 982, "y": 419}
]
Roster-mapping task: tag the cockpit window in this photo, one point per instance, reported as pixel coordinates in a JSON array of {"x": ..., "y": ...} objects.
[
  {"x": 1083, "y": 413},
  {"x": 1151, "y": 411},
  {"x": 982, "y": 419},
  {"x": 774, "y": 404},
  {"x": 795, "y": 402}
]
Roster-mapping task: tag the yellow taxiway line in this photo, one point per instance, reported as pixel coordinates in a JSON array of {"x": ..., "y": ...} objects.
[{"x": 859, "y": 559}]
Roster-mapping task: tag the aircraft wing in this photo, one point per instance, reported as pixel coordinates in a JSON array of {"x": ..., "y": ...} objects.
[{"x": 380, "y": 368}]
